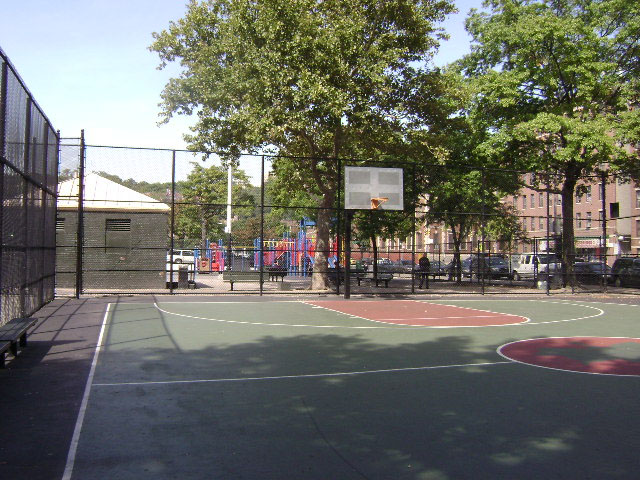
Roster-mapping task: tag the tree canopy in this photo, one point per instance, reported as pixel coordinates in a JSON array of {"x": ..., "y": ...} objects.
[
  {"x": 306, "y": 78},
  {"x": 558, "y": 80}
]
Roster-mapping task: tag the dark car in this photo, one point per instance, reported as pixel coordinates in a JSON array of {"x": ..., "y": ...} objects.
[
  {"x": 402, "y": 266},
  {"x": 464, "y": 268},
  {"x": 626, "y": 272},
  {"x": 489, "y": 267},
  {"x": 438, "y": 268},
  {"x": 592, "y": 272},
  {"x": 385, "y": 265}
]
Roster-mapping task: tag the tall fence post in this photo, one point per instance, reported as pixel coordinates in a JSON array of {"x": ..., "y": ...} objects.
[
  {"x": 3, "y": 142},
  {"x": 414, "y": 196},
  {"x": 26, "y": 156},
  {"x": 261, "y": 261},
  {"x": 548, "y": 226},
  {"x": 338, "y": 239},
  {"x": 482, "y": 254},
  {"x": 603, "y": 248},
  {"x": 80, "y": 229},
  {"x": 173, "y": 221}
]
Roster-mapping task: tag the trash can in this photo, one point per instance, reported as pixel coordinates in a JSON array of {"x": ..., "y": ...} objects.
[{"x": 183, "y": 277}]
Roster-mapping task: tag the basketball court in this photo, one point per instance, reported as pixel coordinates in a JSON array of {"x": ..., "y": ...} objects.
[{"x": 323, "y": 388}]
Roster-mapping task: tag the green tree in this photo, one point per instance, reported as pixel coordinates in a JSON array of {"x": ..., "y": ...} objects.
[
  {"x": 309, "y": 79},
  {"x": 461, "y": 185},
  {"x": 202, "y": 212},
  {"x": 557, "y": 80}
]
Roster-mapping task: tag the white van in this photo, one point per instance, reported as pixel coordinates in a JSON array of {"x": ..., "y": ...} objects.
[
  {"x": 181, "y": 256},
  {"x": 530, "y": 264}
]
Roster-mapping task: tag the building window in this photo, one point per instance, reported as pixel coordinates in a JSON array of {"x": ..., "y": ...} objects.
[
  {"x": 524, "y": 202},
  {"x": 533, "y": 223},
  {"x": 578, "y": 198},
  {"x": 589, "y": 193},
  {"x": 540, "y": 200},
  {"x": 117, "y": 235},
  {"x": 578, "y": 220},
  {"x": 637, "y": 198},
  {"x": 59, "y": 224},
  {"x": 532, "y": 201},
  {"x": 588, "y": 221},
  {"x": 541, "y": 223},
  {"x": 515, "y": 201},
  {"x": 614, "y": 210}
]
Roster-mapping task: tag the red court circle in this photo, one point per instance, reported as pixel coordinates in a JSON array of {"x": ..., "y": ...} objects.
[{"x": 595, "y": 355}]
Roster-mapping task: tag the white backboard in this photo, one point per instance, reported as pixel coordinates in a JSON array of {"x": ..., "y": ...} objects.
[{"x": 362, "y": 184}]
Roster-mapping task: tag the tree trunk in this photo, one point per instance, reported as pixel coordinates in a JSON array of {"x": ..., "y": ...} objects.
[{"x": 319, "y": 278}]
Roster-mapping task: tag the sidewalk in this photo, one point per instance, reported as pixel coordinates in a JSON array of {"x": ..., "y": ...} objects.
[{"x": 41, "y": 390}]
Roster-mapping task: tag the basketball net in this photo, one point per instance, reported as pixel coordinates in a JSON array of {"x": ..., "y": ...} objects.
[{"x": 377, "y": 201}]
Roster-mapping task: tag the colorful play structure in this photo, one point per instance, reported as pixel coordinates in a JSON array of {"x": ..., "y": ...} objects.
[{"x": 294, "y": 254}]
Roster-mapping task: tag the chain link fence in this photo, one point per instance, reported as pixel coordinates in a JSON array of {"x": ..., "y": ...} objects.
[
  {"x": 28, "y": 179},
  {"x": 136, "y": 220}
]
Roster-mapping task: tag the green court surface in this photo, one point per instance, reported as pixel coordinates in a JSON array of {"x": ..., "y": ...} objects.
[{"x": 374, "y": 389}]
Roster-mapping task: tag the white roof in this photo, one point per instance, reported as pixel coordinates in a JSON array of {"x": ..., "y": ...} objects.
[{"x": 102, "y": 194}]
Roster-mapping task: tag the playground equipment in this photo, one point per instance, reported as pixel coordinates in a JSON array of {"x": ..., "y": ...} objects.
[{"x": 293, "y": 254}]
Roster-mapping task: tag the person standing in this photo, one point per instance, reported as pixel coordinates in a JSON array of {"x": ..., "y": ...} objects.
[{"x": 423, "y": 271}]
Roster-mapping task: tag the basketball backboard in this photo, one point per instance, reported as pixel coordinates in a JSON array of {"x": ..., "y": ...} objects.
[{"x": 373, "y": 188}]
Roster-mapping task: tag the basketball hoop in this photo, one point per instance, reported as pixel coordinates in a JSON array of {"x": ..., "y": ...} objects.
[{"x": 377, "y": 201}]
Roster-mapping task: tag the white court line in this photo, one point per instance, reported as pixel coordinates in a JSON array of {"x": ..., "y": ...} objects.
[
  {"x": 310, "y": 375},
  {"x": 439, "y": 318},
  {"x": 265, "y": 324},
  {"x": 499, "y": 352},
  {"x": 600, "y": 311},
  {"x": 71, "y": 457},
  {"x": 386, "y": 320},
  {"x": 395, "y": 326}
]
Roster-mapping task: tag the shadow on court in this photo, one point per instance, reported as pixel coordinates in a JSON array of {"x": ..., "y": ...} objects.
[
  {"x": 241, "y": 402},
  {"x": 267, "y": 415}
]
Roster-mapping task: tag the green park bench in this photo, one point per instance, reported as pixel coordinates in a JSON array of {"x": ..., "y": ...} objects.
[{"x": 234, "y": 277}]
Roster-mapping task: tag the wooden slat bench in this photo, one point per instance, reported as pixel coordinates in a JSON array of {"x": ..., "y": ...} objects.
[
  {"x": 14, "y": 333},
  {"x": 233, "y": 277}
]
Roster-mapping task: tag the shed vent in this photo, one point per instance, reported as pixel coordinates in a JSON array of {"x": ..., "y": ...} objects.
[{"x": 118, "y": 225}]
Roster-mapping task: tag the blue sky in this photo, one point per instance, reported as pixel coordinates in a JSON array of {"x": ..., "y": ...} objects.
[{"x": 87, "y": 64}]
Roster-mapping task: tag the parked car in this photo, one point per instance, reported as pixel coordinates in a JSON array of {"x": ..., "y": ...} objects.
[
  {"x": 529, "y": 263},
  {"x": 438, "y": 268},
  {"x": 464, "y": 268},
  {"x": 489, "y": 267},
  {"x": 592, "y": 272},
  {"x": 626, "y": 272},
  {"x": 182, "y": 256},
  {"x": 385, "y": 265},
  {"x": 403, "y": 266}
]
